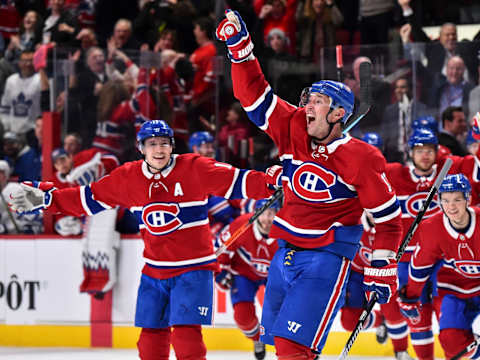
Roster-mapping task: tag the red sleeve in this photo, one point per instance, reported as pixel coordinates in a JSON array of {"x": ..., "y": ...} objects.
[
  {"x": 267, "y": 111},
  {"x": 226, "y": 181}
]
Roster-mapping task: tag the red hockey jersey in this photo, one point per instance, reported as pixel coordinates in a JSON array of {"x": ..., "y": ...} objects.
[
  {"x": 251, "y": 254},
  {"x": 325, "y": 190},
  {"x": 171, "y": 206},
  {"x": 460, "y": 252}
]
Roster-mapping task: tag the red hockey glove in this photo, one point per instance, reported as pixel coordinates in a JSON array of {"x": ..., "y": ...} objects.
[
  {"x": 224, "y": 280},
  {"x": 381, "y": 277},
  {"x": 274, "y": 175},
  {"x": 31, "y": 197},
  {"x": 409, "y": 307},
  {"x": 233, "y": 31},
  {"x": 476, "y": 126}
]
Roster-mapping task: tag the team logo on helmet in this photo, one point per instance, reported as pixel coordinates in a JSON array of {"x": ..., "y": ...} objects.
[
  {"x": 311, "y": 182},
  {"x": 468, "y": 268},
  {"x": 161, "y": 218},
  {"x": 414, "y": 203}
]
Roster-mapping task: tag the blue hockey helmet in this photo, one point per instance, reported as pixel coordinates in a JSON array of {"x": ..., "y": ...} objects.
[
  {"x": 262, "y": 202},
  {"x": 422, "y": 136},
  {"x": 456, "y": 182},
  {"x": 200, "y": 137},
  {"x": 427, "y": 122},
  {"x": 341, "y": 95},
  {"x": 154, "y": 128},
  {"x": 374, "y": 139}
]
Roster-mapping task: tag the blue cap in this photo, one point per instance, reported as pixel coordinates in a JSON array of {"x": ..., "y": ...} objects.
[{"x": 58, "y": 153}]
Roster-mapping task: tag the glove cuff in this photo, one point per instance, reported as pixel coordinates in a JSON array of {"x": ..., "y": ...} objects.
[{"x": 402, "y": 294}]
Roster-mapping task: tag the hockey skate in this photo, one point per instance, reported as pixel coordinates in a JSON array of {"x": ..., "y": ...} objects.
[
  {"x": 381, "y": 333},
  {"x": 402, "y": 355},
  {"x": 259, "y": 350}
]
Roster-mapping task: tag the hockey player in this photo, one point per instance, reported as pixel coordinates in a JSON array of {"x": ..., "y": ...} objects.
[
  {"x": 388, "y": 321},
  {"x": 451, "y": 236},
  {"x": 330, "y": 179},
  {"x": 245, "y": 268},
  {"x": 169, "y": 192}
]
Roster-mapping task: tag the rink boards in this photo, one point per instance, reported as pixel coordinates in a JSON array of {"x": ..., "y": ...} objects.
[{"x": 40, "y": 302}]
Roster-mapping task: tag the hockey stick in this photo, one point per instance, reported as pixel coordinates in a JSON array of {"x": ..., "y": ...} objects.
[
  {"x": 373, "y": 299},
  {"x": 469, "y": 348},
  {"x": 276, "y": 196},
  {"x": 338, "y": 50},
  {"x": 365, "y": 94}
]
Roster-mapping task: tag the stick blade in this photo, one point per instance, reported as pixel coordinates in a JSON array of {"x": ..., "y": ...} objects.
[{"x": 365, "y": 73}]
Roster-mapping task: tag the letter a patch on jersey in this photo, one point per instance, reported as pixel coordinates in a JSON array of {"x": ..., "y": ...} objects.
[{"x": 178, "y": 190}]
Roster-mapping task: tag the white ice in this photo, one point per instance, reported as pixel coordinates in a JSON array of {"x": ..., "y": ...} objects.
[{"x": 21, "y": 353}]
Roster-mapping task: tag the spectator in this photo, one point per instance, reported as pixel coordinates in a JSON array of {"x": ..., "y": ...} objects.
[
  {"x": 158, "y": 16},
  {"x": 203, "y": 86},
  {"x": 72, "y": 143},
  {"x": 109, "y": 11},
  {"x": 454, "y": 130},
  {"x": 376, "y": 20},
  {"x": 21, "y": 98},
  {"x": 397, "y": 120},
  {"x": 9, "y": 19},
  {"x": 451, "y": 90},
  {"x": 279, "y": 14},
  {"x": 438, "y": 52},
  {"x": 317, "y": 28},
  {"x": 166, "y": 40},
  {"x": 123, "y": 37},
  {"x": 28, "y": 37},
  {"x": 473, "y": 102},
  {"x": 60, "y": 25},
  {"x": 25, "y": 161},
  {"x": 86, "y": 89},
  {"x": 234, "y": 134}
]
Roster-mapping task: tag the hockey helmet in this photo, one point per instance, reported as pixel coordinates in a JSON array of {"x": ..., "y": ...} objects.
[
  {"x": 374, "y": 139},
  {"x": 427, "y": 122},
  {"x": 200, "y": 137},
  {"x": 456, "y": 182},
  {"x": 422, "y": 136},
  {"x": 262, "y": 202},
  {"x": 340, "y": 94},
  {"x": 154, "y": 128}
]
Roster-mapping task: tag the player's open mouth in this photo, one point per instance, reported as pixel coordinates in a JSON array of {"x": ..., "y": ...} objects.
[{"x": 310, "y": 118}]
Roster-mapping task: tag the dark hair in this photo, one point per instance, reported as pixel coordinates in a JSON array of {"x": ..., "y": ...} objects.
[
  {"x": 447, "y": 114},
  {"x": 206, "y": 24}
]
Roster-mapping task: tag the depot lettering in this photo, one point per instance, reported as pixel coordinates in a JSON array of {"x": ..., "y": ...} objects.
[{"x": 16, "y": 293}]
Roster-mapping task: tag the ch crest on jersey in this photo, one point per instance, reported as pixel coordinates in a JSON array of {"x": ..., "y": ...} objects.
[
  {"x": 365, "y": 254},
  {"x": 311, "y": 182},
  {"x": 261, "y": 266},
  {"x": 161, "y": 218},
  {"x": 468, "y": 268},
  {"x": 414, "y": 203}
]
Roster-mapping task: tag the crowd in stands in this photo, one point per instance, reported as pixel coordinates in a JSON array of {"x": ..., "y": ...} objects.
[{"x": 107, "y": 66}]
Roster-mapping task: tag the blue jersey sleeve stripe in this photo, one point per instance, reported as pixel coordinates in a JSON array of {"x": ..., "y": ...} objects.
[
  {"x": 387, "y": 213},
  {"x": 259, "y": 116},
  {"x": 420, "y": 274},
  {"x": 260, "y": 100},
  {"x": 90, "y": 205},
  {"x": 239, "y": 188}
]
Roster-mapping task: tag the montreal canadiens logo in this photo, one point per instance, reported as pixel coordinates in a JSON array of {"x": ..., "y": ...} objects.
[
  {"x": 161, "y": 218},
  {"x": 261, "y": 266},
  {"x": 311, "y": 182},
  {"x": 468, "y": 268},
  {"x": 365, "y": 254},
  {"x": 229, "y": 29},
  {"x": 414, "y": 204}
]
